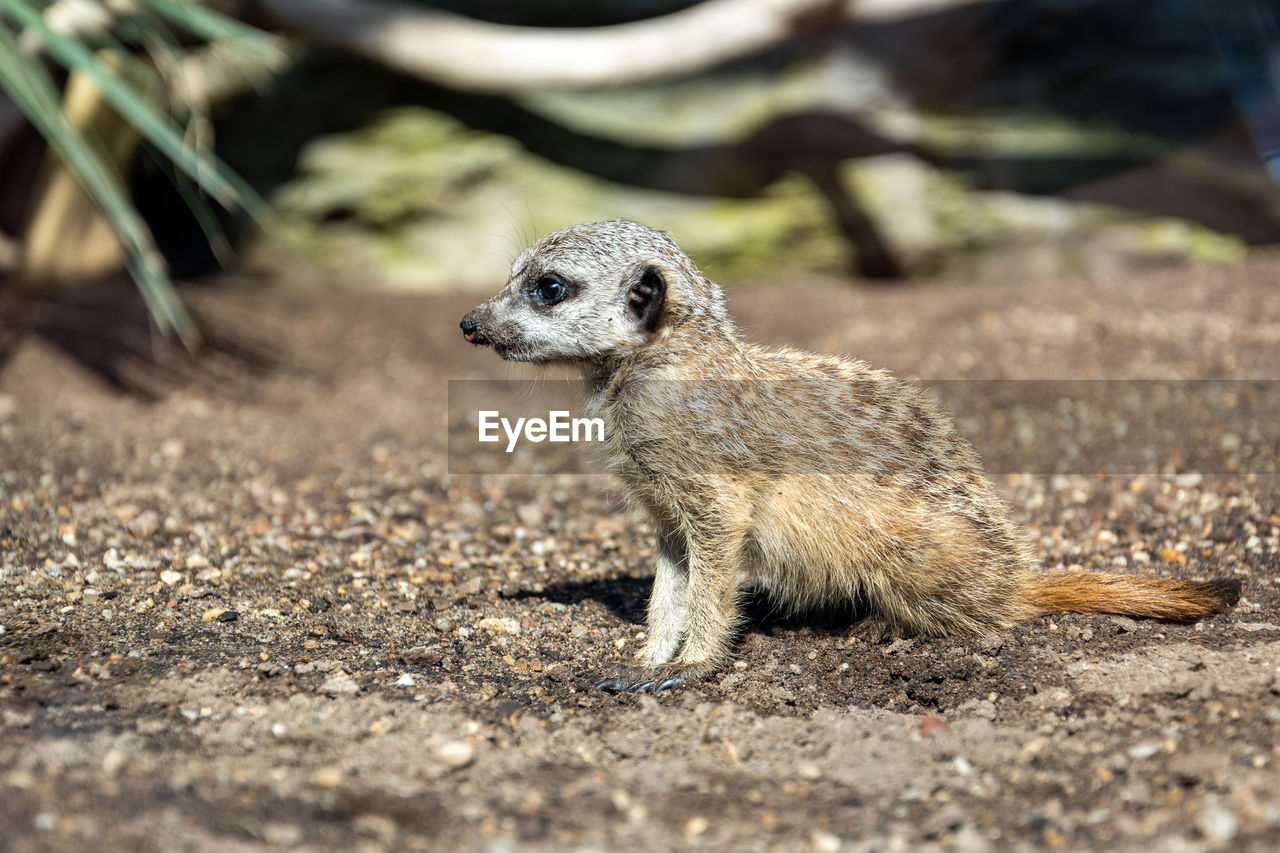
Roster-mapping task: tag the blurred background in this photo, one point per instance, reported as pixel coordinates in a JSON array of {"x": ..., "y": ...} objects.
[{"x": 341, "y": 144}]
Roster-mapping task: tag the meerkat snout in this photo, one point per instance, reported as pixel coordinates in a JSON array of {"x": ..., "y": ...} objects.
[{"x": 471, "y": 329}]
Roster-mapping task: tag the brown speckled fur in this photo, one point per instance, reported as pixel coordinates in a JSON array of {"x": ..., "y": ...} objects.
[{"x": 813, "y": 477}]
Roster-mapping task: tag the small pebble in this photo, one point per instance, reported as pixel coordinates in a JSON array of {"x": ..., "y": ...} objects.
[
  {"x": 339, "y": 684},
  {"x": 327, "y": 777},
  {"x": 282, "y": 834},
  {"x": 454, "y": 754},
  {"x": 1143, "y": 750},
  {"x": 503, "y": 625},
  {"x": 932, "y": 725},
  {"x": 145, "y": 525},
  {"x": 824, "y": 842},
  {"x": 422, "y": 656},
  {"x": 695, "y": 826},
  {"x": 1217, "y": 824}
]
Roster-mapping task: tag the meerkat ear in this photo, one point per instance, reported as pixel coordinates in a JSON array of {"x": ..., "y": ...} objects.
[{"x": 646, "y": 298}]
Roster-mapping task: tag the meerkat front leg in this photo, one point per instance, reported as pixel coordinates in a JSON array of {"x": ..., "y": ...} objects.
[
  {"x": 706, "y": 607},
  {"x": 668, "y": 612},
  {"x": 715, "y": 580}
]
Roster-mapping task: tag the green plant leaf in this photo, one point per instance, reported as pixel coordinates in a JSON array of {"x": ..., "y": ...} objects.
[
  {"x": 213, "y": 176},
  {"x": 35, "y": 94},
  {"x": 206, "y": 23}
]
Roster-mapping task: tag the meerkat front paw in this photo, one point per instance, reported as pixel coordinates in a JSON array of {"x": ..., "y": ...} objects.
[
  {"x": 655, "y": 654},
  {"x": 636, "y": 679}
]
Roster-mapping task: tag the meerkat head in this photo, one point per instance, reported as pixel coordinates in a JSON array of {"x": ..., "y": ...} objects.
[{"x": 592, "y": 292}]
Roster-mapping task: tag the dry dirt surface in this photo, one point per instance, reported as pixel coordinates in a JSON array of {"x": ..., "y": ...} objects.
[{"x": 264, "y": 615}]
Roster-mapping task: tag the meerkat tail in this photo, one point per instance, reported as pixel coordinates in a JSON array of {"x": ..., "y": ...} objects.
[{"x": 1130, "y": 595}]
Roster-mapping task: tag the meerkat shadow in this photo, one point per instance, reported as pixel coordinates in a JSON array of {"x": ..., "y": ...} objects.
[
  {"x": 627, "y": 598},
  {"x": 763, "y": 614}
]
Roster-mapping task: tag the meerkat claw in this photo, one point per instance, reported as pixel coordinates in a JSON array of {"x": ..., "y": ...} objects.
[
  {"x": 643, "y": 681},
  {"x": 668, "y": 683},
  {"x": 664, "y": 678},
  {"x": 623, "y": 682}
]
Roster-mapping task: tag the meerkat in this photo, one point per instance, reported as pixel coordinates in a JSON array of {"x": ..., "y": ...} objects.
[{"x": 814, "y": 478}]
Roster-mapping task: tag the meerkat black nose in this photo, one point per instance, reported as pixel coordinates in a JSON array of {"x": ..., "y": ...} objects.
[{"x": 469, "y": 326}]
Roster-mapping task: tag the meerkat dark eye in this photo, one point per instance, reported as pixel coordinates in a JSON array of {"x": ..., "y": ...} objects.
[{"x": 550, "y": 289}]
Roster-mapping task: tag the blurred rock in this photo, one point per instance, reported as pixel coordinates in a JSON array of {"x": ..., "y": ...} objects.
[{"x": 339, "y": 684}]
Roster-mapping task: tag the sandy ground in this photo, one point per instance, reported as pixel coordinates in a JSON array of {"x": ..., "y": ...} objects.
[{"x": 266, "y": 616}]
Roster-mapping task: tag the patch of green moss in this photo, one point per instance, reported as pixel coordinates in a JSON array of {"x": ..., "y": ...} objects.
[
  {"x": 1033, "y": 134},
  {"x": 418, "y": 200},
  {"x": 789, "y": 228},
  {"x": 1181, "y": 238}
]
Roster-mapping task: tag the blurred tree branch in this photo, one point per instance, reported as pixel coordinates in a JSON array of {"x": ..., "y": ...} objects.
[
  {"x": 470, "y": 55},
  {"x": 463, "y": 54}
]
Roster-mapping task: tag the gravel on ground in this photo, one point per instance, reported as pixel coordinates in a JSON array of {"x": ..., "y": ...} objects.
[{"x": 263, "y": 614}]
